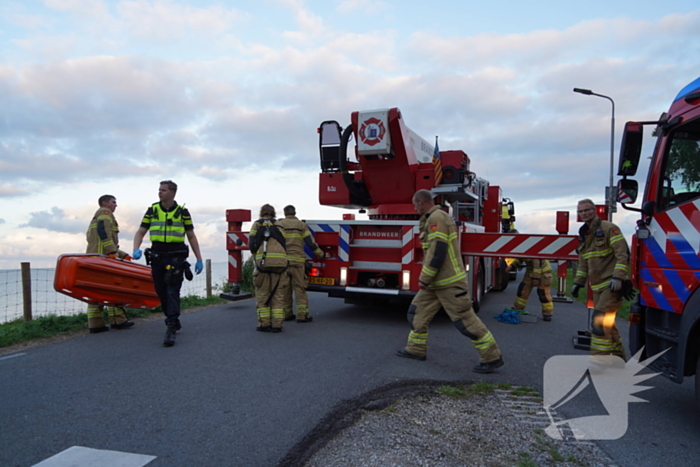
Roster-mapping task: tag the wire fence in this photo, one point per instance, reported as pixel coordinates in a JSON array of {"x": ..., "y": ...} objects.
[{"x": 46, "y": 301}]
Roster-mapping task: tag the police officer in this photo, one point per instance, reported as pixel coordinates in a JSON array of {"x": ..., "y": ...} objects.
[
  {"x": 443, "y": 283},
  {"x": 268, "y": 246},
  {"x": 604, "y": 260},
  {"x": 297, "y": 234},
  {"x": 103, "y": 237},
  {"x": 538, "y": 274},
  {"x": 168, "y": 224}
]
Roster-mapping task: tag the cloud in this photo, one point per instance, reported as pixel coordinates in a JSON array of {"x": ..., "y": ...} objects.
[
  {"x": 55, "y": 221},
  {"x": 364, "y": 6},
  {"x": 2, "y": 221}
]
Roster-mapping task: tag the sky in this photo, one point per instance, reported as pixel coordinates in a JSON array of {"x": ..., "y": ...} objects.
[{"x": 111, "y": 97}]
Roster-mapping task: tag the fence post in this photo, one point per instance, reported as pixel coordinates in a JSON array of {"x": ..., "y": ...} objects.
[
  {"x": 208, "y": 278},
  {"x": 27, "y": 290}
]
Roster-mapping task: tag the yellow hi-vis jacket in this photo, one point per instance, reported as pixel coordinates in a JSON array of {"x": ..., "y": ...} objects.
[
  {"x": 603, "y": 254},
  {"x": 442, "y": 260},
  {"x": 167, "y": 226},
  {"x": 103, "y": 233},
  {"x": 297, "y": 233}
]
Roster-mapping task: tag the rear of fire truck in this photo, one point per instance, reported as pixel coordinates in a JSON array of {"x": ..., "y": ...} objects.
[{"x": 665, "y": 320}]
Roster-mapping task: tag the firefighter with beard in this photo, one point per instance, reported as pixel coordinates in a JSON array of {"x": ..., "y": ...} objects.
[
  {"x": 297, "y": 234},
  {"x": 604, "y": 260},
  {"x": 443, "y": 284},
  {"x": 103, "y": 238},
  {"x": 268, "y": 246}
]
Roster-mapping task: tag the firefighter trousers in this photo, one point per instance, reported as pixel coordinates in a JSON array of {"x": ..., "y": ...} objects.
[
  {"x": 543, "y": 293},
  {"x": 458, "y": 305},
  {"x": 270, "y": 293},
  {"x": 297, "y": 292},
  {"x": 605, "y": 337},
  {"x": 117, "y": 315}
]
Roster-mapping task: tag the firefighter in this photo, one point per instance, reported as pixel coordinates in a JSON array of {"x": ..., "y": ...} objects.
[
  {"x": 168, "y": 224},
  {"x": 103, "y": 237},
  {"x": 268, "y": 246},
  {"x": 538, "y": 274},
  {"x": 297, "y": 234},
  {"x": 443, "y": 283},
  {"x": 604, "y": 260}
]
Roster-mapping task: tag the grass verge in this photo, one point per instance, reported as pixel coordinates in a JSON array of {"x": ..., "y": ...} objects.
[{"x": 46, "y": 326}]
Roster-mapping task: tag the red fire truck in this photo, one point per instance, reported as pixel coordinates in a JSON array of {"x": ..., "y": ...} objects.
[
  {"x": 666, "y": 246},
  {"x": 381, "y": 258}
]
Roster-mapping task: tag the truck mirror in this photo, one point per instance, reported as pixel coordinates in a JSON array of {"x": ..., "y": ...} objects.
[
  {"x": 631, "y": 149},
  {"x": 648, "y": 208},
  {"x": 627, "y": 191}
]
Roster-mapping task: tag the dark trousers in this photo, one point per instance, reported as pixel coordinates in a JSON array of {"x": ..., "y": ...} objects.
[{"x": 168, "y": 285}]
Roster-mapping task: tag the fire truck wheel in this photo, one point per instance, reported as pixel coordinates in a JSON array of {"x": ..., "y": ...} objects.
[{"x": 479, "y": 292}]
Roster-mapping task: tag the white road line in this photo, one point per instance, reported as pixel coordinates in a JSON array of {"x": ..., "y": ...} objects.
[
  {"x": 79, "y": 456},
  {"x": 13, "y": 356}
]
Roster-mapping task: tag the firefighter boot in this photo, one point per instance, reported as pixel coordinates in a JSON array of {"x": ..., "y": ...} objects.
[{"x": 170, "y": 333}]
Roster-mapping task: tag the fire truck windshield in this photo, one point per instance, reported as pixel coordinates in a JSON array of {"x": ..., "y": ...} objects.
[{"x": 681, "y": 175}]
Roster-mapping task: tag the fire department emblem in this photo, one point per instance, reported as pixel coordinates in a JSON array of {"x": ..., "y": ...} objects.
[{"x": 372, "y": 131}]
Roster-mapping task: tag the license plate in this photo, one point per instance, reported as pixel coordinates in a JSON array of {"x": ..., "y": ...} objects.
[{"x": 322, "y": 280}]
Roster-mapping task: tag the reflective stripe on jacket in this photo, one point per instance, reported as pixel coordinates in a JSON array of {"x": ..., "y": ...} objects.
[
  {"x": 103, "y": 233},
  {"x": 442, "y": 260},
  {"x": 603, "y": 254}
]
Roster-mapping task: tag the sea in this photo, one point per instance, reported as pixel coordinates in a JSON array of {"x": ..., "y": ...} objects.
[{"x": 46, "y": 301}]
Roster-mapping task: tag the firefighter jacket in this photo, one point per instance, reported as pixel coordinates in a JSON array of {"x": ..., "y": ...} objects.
[
  {"x": 167, "y": 228},
  {"x": 268, "y": 245},
  {"x": 534, "y": 267},
  {"x": 103, "y": 233},
  {"x": 296, "y": 233},
  {"x": 603, "y": 254},
  {"x": 442, "y": 261}
]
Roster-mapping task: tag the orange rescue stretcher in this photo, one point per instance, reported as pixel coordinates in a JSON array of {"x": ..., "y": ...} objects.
[{"x": 95, "y": 278}]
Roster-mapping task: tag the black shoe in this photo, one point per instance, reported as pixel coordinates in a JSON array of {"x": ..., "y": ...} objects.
[
  {"x": 488, "y": 367},
  {"x": 308, "y": 319},
  {"x": 98, "y": 330},
  {"x": 276, "y": 329},
  {"x": 264, "y": 328},
  {"x": 169, "y": 340},
  {"x": 178, "y": 326},
  {"x": 547, "y": 317},
  {"x": 405, "y": 354},
  {"x": 124, "y": 325},
  {"x": 290, "y": 317}
]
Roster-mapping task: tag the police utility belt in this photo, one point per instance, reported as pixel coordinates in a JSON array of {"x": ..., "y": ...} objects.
[{"x": 173, "y": 272}]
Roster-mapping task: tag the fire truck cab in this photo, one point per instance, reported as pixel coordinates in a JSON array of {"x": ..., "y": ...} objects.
[{"x": 666, "y": 247}]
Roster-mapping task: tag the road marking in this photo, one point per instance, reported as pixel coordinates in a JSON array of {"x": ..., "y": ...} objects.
[
  {"x": 79, "y": 456},
  {"x": 12, "y": 356}
]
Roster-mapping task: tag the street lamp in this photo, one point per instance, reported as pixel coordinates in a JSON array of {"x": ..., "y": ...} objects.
[{"x": 610, "y": 192}]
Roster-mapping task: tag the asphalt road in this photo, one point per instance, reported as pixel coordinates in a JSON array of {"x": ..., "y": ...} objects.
[{"x": 227, "y": 395}]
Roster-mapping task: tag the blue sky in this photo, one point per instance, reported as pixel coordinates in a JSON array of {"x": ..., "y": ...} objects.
[{"x": 225, "y": 97}]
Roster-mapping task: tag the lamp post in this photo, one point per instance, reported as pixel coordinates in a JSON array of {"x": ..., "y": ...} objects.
[{"x": 610, "y": 192}]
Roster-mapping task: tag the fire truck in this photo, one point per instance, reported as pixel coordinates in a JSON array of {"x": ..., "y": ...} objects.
[
  {"x": 665, "y": 248},
  {"x": 381, "y": 257}
]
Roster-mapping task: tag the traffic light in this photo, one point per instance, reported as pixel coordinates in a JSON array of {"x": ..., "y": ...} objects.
[{"x": 601, "y": 211}]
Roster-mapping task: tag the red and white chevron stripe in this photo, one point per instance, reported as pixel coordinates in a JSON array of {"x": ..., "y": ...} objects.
[{"x": 558, "y": 247}]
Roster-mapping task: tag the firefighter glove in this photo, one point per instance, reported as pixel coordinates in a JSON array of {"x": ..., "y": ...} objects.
[
  {"x": 615, "y": 284},
  {"x": 575, "y": 289},
  {"x": 627, "y": 291},
  {"x": 198, "y": 266},
  {"x": 137, "y": 254}
]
